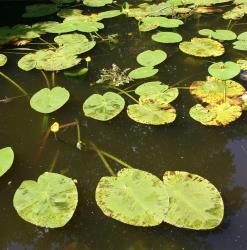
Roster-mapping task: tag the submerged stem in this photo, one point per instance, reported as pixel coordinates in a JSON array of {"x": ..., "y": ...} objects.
[
  {"x": 53, "y": 79},
  {"x": 126, "y": 93},
  {"x": 101, "y": 156},
  {"x": 46, "y": 79},
  {"x": 54, "y": 161},
  {"x": 46, "y": 42},
  {"x": 14, "y": 83},
  {"x": 114, "y": 158}
]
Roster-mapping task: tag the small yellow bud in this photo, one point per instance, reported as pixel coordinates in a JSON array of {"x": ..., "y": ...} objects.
[
  {"x": 126, "y": 11},
  {"x": 88, "y": 59},
  {"x": 55, "y": 127},
  {"x": 93, "y": 16}
]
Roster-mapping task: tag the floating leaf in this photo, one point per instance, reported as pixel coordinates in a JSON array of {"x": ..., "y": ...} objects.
[
  {"x": 241, "y": 44},
  {"x": 224, "y": 71},
  {"x": 38, "y": 10},
  {"x": 150, "y": 58},
  {"x": 157, "y": 91},
  {"x": 49, "y": 100},
  {"x": 103, "y": 107},
  {"x": 6, "y": 159},
  {"x": 134, "y": 197},
  {"x": 63, "y": 13},
  {"x": 223, "y": 35},
  {"x": 216, "y": 114},
  {"x": 143, "y": 72},
  {"x": 167, "y": 37},
  {"x": 49, "y": 202},
  {"x": 108, "y": 14},
  {"x": 195, "y": 203},
  {"x": 80, "y": 72},
  {"x": 3, "y": 60},
  {"x": 96, "y": 3},
  {"x": 202, "y": 47},
  {"x": 153, "y": 112},
  {"x": 236, "y": 13},
  {"x": 214, "y": 90},
  {"x": 242, "y": 64}
]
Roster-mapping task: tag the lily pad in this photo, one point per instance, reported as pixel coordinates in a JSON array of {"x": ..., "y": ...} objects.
[
  {"x": 153, "y": 112},
  {"x": 242, "y": 64},
  {"x": 143, "y": 72},
  {"x": 215, "y": 91},
  {"x": 103, "y": 107},
  {"x": 49, "y": 100},
  {"x": 49, "y": 202},
  {"x": 6, "y": 159},
  {"x": 216, "y": 114},
  {"x": 167, "y": 37},
  {"x": 195, "y": 203},
  {"x": 96, "y": 3},
  {"x": 202, "y": 47},
  {"x": 224, "y": 71},
  {"x": 222, "y": 35},
  {"x": 38, "y": 10},
  {"x": 150, "y": 58},
  {"x": 3, "y": 60},
  {"x": 134, "y": 197}
]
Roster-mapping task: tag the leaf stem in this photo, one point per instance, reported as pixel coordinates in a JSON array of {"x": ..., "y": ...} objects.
[
  {"x": 46, "y": 42},
  {"x": 126, "y": 93},
  {"x": 46, "y": 79},
  {"x": 14, "y": 83}
]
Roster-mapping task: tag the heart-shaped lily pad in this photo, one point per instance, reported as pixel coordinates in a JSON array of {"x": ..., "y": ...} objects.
[
  {"x": 143, "y": 72},
  {"x": 6, "y": 159},
  {"x": 216, "y": 114},
  {"x": 222, "y": 35},
  {"x": 49, "y": 100},
  {"x": 49, "y": 202},
  {"x": 151, "y": 58},
  {"x": 224, "y": 71},
  {"x": 167, "y": 37},
  {"x": 103, "y": 107},
  {"x": 3, "y": 60},
  {"x": 215, "y": 91},
  {"x": 195, "y": 203},
  {"x": 134, "y": 197},
  {"x": 151, "y": 111},
  {"x": 202, "y": 47}
]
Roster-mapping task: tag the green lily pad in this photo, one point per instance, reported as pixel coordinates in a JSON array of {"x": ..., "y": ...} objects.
[
  {"x": 6, "y": 159},
  {"x": 49, "y": 202},
  {"x": 240, "y": 45},
  {"x": 223, "y": 35},
  {"x": 103, "y": 107},
  {"x": 108, "y": 14},
  {"x": 237, "y": 12},
  {"x": 224, "y": 71},
  {"x": 243, "y": 36},
  {"x": 151, "y": 111},
  {"x": 66, "y": 12},
  {"x": 134, "y": 197},
  {"x": 202, "y": 47},
  {"x": 96, "y": 3},
  {"x": 195, "y": 203},
  {"x": 38, "y": 10},
  {"x": 143, "y": 72},
  {"x": 157, "y": 91},
  {"x": 80, "y": 72},
  {"x": 3, "y": 60},
  {"x": 151, "y": 58},
  {"x": 216, "y": 114},
  {"x": 49, "y": 100},
  {"x": 215, "y": 91},
  {"x": 167, "y": 37},
  {"x": 242, "y": 64}
]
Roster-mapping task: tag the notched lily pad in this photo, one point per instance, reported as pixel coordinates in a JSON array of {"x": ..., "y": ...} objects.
[
  {"x": 195, "y": 203},
  {"x": 134, "y": 197},
  {"x": 150, "y": 58},
  {"x": 49, "y": 100},
  {"x": 103, "y": 107},
  {"x": 49, "y": 202},
  {"x": 202, "y": 47},
  {"x": 6, "y": 159}
]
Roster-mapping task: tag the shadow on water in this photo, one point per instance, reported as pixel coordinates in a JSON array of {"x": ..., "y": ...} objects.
[{"x": 218, "y": 154}]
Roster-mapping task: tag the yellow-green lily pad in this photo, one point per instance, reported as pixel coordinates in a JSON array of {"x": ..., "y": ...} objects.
[{"x": 6, "y": 159}]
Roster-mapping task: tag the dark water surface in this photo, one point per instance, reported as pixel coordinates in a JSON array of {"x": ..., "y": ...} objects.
[{"x": 218, "y": 154}]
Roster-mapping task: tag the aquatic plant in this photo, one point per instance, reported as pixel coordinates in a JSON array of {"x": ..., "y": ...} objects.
[
  {"x": 151, "y": 58},
  {"x": 6, "y": 159},
  {"x": 167, "y": 37},
  {"x": 222, "y": 35}
]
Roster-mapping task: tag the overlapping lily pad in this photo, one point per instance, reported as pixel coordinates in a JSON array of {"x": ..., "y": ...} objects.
[
  {"x": 241, "y": 44},
  {"x": 222, "y": 35},
  {"x": 3, "y": 60},
  {"x": 216, "y": 114},
  {"x": 49, "y": 100},
  {"x": 167, "y": 37},
  {"x": 49, "y": 202},
  {"x": 143, "y": 72},
  {"x": 150, "y": 58},
  {"x": 6, "y": 159},
  {"x": 224, "y": 71},
  {"x": 103, "y": 107},
  {"x": 134, "y": 197},
  {"x": 242, "y": 64},
  {"x": 215, "y": 91},
  {"x": 195, "y": 203},
  {"x": 151, "y": 111},
  {"x": 202, "y": 47}
]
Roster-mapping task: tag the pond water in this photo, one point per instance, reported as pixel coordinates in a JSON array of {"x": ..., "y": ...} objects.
[{"x": 218, "y": 154}]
